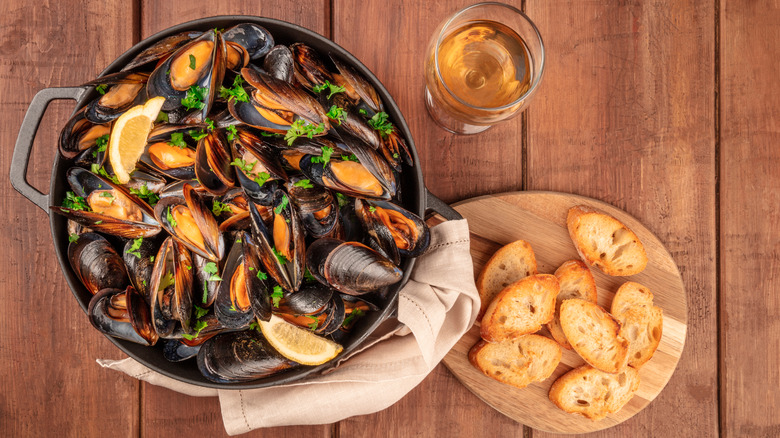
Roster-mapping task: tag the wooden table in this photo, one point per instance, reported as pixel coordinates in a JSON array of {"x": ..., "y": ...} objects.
[{"x": 667, "y": 109}]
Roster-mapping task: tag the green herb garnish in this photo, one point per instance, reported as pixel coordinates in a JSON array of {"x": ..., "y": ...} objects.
[
  {"x": 261, "y": 275},
  {"x": 170, "y": 218},
  {"x": 315, "y": 322},
  {"x": 307, "y": 275},
  {"x": 343, "y": 200},
  {"x": 218, "y": 207},
  {"x": 192, "y": 61},
  {"x": 372, "y": 209},
  {"x": 194, "y": 98},
  {"x": 231, "y": 130},
  {"x": 209, "y": 124},
  {"x": 261, "y": 178},
  {"x": 106, "y": 195},
  {"x": 336, "y": 113},
  {"x": 73, "y": 238},
  {"x": 74, "y": 202},
  {"x": 304, "y": 183},
  {"x": 236, "y": 91},
  {"x": 200, "y": 312},
  {"x": 380, "y": 123},
  {"x": 333, "y": 89},
  {"x": 101, "y": 143},
  {"x": 210, "y": 268},
  {"x": 98, "y": 222},
  {"x": 271, "y": 134},
  {"x": 197, "y": 134},
  {"x": 325, "y": 157},
  {"x": 277, "y": 295},
  {"x": 145, "y": 193},
  {"x": 99, "y": 170},
  {"x": 102, "y": 88},
  {"x": 299, "y": 128},
  {"x": 162, "y": 117},
  {"x": 357, "y": 313},
  {"x": 243, "y": 165},
  {"x": 200, "y": 325},
  {"x": 135, "y": 247},
  {"x": 177, "y": 139},
  {"x": 282, "y": 259},
  {"x": 282, "y": 205},
  {"x": 350, "y": 157}
]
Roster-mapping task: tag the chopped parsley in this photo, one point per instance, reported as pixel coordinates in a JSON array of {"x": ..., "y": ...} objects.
[
  {"x": 102, "y": 88},
  {"x": 315, "y": 322},
  {"x": 135, "y": 247},
  {"x": 151, "y": 259},
  {"x": 170, "y": 218},
  {"x": 355, "y": 314},
  {"x": 304, "y": 183},
  {"x": 299, "y": 128},
  {"x": 99, "y": 170},
  {"x": 307, "y": 275},
  {"x": 282, "y": 205},
  {"x": 73, "y": 238},
  {"x": 231, "y": 130},
  {"x": 261, "y": 275},
  {"x": 271, "y": 134},
  {"x": 74, "y": 202},
  {"x": 192, "y": 61},
  {"x": 282, "y": 259},
  {"x": 372, "y": 209},
  {"x": 210, "y": 268},
  {"x": 209, "y": 124},
  {"x": 189, "y": 268},
  {"x": 325, "y": 157},
  {"x": 98, "y": 222},
  {"x": 350, "y": 157},
  {"x": 332, "y": 89},
  {"x": 261, "y": 178},
  {"x": 177, "y": 139},
  {"x": 336, "y": 113},
  {"x": 197, "y": 134},
  {"x": 277, "y": 295},
  {"x": 200, "y": 325},
  {"x": 101, "y": 143},
  {"x": 106, "y": 195},
  {"x": 146, "y": 194},
  {"x": 236, "y": 91},
  {"x": 218, "y": 207},
  {"x": 200, "y": 312},
  {"x": 343, "y": 200},
  {"x": 162, "y": 117},
  {"x": 380, "y": 123},
  {"x": 395, "y": 155},
  {"x": 243, "y": 165},
  {"x": 194, "y": 98}
]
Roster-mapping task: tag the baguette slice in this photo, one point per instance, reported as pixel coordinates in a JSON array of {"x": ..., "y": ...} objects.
[
  {"x": 641, "y": 320},
  {"x": 595, "y": 335},
  {"x": 592, "y": 393},
  {"x": 521, "y": 308},
  {"x": 517, "y": 362},
  {"x": 603, "y": 241},
  {"x": 509, "y": 264},
  {"x": 576, "y": 281}
]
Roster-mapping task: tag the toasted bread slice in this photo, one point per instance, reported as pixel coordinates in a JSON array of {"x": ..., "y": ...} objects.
[
  {"x": 517, "y": 362},
  {"x": 593, "y": 393},
  {"x": 594, "y": 334},
  {"x": 575, "y": 281},
  {"x": 603, "y": 241},
  {"x": 642, "y": 322},
  {"x": 509, "y": 264},
  {"x": 521, "y": 308}
]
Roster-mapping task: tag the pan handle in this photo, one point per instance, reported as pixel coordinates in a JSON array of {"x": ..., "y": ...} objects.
[
  {"x": 24, "y": 142},
  {"x": 436, "y": 205}
]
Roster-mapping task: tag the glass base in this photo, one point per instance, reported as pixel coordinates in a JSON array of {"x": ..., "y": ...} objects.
[{"x": 448, "y": 122}]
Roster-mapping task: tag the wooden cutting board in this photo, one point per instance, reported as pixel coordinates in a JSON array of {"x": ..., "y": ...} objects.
[{"x": 540, "y": 219}]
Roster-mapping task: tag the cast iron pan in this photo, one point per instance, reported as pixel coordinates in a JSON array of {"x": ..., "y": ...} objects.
[{"x": 415, "y": 196}]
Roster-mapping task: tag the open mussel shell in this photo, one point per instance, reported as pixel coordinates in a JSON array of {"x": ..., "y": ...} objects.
[
  {"x": 279, "y": 63},
  {"x": 260, "y": 164},
  {"x": 240, "y": 357},
  {"x": 212, "y": 163},
  {"x": 350, "y": 267},
  {"x": 250, "y": 114},
  {"x": 316, "y": 205},
  {"x": 171, "y": 290},
  {"x": 113, "y": 210},
  {"x": 258, "y": 285},
  {"x": 145, "y": 181},
  {"x": 162, "y": 156},
  {"x": 236, "y": 56},
  {"x": 347, "y": 177},
  {"x": 177, "y": 351},
  {"x": 79, "y": 135},
  {"x": 126, "y": 90},
  {"x": 310, "y": 70},
  {"x": 191, "y": 222},
  {"x": 352, "y": 123},
  {"x": 174, "y": 77},
  {"x": 140, "y": 264},
  {"x": 311, "y": 298},
  {"x": 371, "y": 159},
  {"x": 96, "y": 263},
  {"x": 255, "y": 39},
  {"x": 397, "y": 231},
  {"x": 121, "y": 314},
  {"x": 315, "y": 307},
  {"x": 161, "y": 49},
  {"x": 232, "y": 306},
  {"x": 204, "y": 290},
  {"x": 286, "y": 272},
  {"x": 357, "y": 87},
  {"x": 354, "y": 309}
]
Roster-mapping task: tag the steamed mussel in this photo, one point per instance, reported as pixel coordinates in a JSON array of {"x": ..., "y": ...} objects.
[{"x": 267, "y": 193}]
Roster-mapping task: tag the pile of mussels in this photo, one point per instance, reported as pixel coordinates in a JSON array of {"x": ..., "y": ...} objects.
[{"x": 266, "y": 187}]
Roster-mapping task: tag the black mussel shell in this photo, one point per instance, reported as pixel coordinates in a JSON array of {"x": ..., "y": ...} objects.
[
  {"x": 350, "y": 267},
  {"x": 258, "y": 284},
  {"x": 171, "y": 207},
  {"x": 127, "y": 89},
  {"x": 97, "y": 263},
  {"x": 205, "y": 291},
  {"x": 232, "y": 306},
  {"x": 212, "y": 163},
  {"x": 113, "y": 319},
  {"x": 358, "y": 87},
  {"x": 310, "y": 70},
  {"x": 316, "y": 205},
  {"x": 79, "y": 135},
  {"x": 279, "y": 63},
  {"x": 255, "y": 39},
  {"x": 176, "y": 351},
  {"x": 274, "y": 93},
  {"x": 347, "y": 177},
  {"x": 389, "y": 224},
  {"x": 161, "y": 49},
  {"x": 240, "y": 357},
  {"x": 171, "y": 290},
  {"x": 140, "y": 264},
  {"x": 309, "y": 299}
]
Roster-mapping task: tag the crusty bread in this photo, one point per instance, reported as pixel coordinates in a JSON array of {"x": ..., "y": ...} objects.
[
  {"x": 642, "y": 322},
  {"x": 509, "y": 264},
  {"x": 594, "y": 334},
  {"x": 593, "y": 393},
  {"x": 517, "y": 362},
  {"x": 604, "y": 241},
  {"x": 575, "y": 281},
  {"x": 520, "y": 308}
]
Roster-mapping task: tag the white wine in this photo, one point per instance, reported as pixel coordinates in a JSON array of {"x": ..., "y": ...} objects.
[{"x": 485, "y": 64}]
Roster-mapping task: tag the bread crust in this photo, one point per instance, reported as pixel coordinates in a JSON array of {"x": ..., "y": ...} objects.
[
  {"x": 517, "y": 362},
  {"x": 641, "y": 320},
  {"x": 605, "y": 242},
  {"x": 576, "y": 281},
  {"x": 509, "y": 264},
  {"x": 592, "y": 393},
  {"x": 520, "y": 308},
  {"x": 594, "y": 334}
]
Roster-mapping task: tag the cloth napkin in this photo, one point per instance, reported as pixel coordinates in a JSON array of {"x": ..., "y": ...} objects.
[{"x": 435, "y": 308}]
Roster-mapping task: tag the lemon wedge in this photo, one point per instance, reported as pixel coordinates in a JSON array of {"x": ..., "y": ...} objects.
[
  {"x": 128, "y": 137},
  {"x": 298, "y": 344}
]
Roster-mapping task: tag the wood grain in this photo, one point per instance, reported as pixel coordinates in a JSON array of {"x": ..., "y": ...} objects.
[
  {"x": 48, "y": 347},
  {"x": 749, "y": 218},
  {"x": 625, "y": 114},
  {"x": 539, "y": 218},
  {"x": 202, "y": 415},
  {"x": 390, "y": 38}
]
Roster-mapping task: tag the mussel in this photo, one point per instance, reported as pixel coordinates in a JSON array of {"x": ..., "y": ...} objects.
[
  {"x": 350, "y": 267},
  {"x": 255, "y": 39},
  {"x": 171, "y": 290},
  {"x": 315, "y": 307},
  {"x": 138, "y": 256},
  {"x": 244, "y": 293},
  {"x": 240, "y": 357},
  {"x": 125, "y": 91},
  {"x": 316, "y": 205},
  {"x": 161, "y": 49},
  {"x": 79, "y": 135},
  {"x": 279, "y": 63},
  {"x": 256, "y": 165},
  {"x": 107, "y": 207},
  {"x": 212, "y": 163},
  {"x": 345, "y": 176},
  {"x": 96, "y": 263},
  {"x": 397, "y": 231},
  {"x": 122, "y": 314}
]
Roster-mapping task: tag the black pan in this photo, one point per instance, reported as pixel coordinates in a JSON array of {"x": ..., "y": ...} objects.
[{"x": 415, "y": 196}]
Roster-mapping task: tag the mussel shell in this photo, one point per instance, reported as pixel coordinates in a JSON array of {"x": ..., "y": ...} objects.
[
  {"x": 240, "y": 357},
  {"x": 310, "y": 299},
  {"x": 79, "y": 135},
  {"x": 161, "y": 49},
  {"x": 214, "y": 248},
  {"x": 371, "y": 159},
  {"x": 101, "y": 320},
  {"x": 96, "y": 263},
  {"x": 311, "y": 203},
  {"x": 255, "y": 39},
  {"x": 325, "y": 175},
  {"x": 257, "y": 283},
  {"x": 263, "y": 240},
  {"x": 279, "y": 63},
  {"x": 177, "y": 351},
  {"x": 310, "y": 70},
  {"x": 171, "y": 304},
  {"x": 212, "y": 163},
  {"x": 138, "y": 179},
  {"x": 284, "y": 95},
  {"x": 253, "y": 151},
  {"x": 202, "y": 286},
  {"x": 237, "y": 56},
  {"x": 140, "y": 265},
  {"x": 352, "y": 80},
  {"x": 384, "y": 236},
  {"x": 350, "y": 267},
  {"x": 228, "y": 313},
  {"x": 354, "y": 125},
  {"x": 127, "y": 89},
  {"x": 247, "y": 113},
  {"x": 140, "y": 315}
]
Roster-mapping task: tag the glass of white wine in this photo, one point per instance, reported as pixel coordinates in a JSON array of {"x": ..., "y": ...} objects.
[{"x": 482, "y": 66}]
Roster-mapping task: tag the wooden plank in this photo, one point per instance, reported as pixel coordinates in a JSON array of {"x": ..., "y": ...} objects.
[
  {"x": 625, "y": 114},
  {"x": 201, "y": 416},
  {"x": 48, "y": 348},
  {"x": 390, "y": 38},
  {"x": 750, "y": 209}
]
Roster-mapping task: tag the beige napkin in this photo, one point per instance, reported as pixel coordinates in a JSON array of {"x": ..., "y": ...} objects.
[{"x": 435, "y": 308}]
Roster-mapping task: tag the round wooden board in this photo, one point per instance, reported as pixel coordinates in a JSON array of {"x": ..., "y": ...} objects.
[{"x": 540, "y": 219}]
